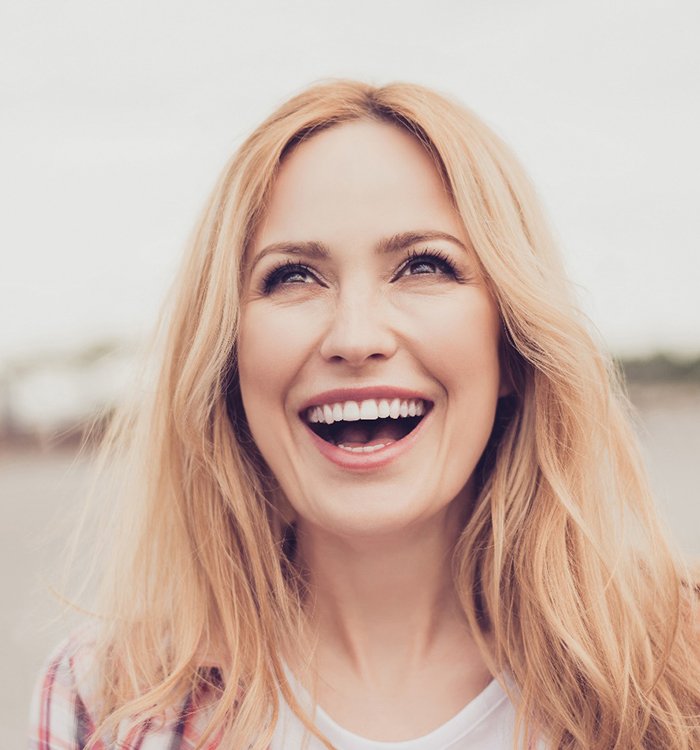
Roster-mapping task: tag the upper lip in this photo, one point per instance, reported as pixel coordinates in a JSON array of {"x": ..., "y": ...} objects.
[{"x": 339, "y": 395}]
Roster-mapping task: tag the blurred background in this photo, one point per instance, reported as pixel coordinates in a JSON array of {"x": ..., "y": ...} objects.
[{"x": 117, "y": 117}]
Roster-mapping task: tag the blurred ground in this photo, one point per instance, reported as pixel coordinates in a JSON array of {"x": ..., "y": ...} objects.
[{"x": 41, "y": 490}]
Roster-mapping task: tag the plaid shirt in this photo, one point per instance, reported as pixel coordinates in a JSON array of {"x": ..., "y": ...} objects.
[
  {"x": 64, "y": 703},
  {"x": 63, "y": 708}
]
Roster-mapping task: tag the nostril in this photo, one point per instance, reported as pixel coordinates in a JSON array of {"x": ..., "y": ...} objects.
[{"x": 356, "y": 337}]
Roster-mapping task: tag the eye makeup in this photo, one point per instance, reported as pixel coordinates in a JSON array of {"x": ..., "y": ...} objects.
[
  {"x": 434, "y": 262},
  {"x": 283, "y": 272},
  {"x": 438, "y": 260}
]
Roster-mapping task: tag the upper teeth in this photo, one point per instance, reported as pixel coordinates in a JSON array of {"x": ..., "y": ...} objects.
[{"x": 353, "y": 411}]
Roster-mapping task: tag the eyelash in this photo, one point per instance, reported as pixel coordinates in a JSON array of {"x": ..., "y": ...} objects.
[
  {"x": 273, "y": 277},
  {"x": 441, "y": 259},
  {"x": 437, "y": 257}
]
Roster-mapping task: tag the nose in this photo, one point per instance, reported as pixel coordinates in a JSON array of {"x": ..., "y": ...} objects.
[{"x": 358, "y": 332}]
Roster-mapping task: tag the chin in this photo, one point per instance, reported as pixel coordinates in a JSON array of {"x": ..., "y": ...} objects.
[{"x": 372, "y": 513}]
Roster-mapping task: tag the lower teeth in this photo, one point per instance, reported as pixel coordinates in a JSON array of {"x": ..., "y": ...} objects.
[{"x": 362, "y": 448}]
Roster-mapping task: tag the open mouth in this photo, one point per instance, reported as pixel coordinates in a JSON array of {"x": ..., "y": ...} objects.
[{"x": 366, "y": 426}]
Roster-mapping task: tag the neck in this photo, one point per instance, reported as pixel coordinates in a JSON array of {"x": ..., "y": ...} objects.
[{"x": 384, "y": 606}]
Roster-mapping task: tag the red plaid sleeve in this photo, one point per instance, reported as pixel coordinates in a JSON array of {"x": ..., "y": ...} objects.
[
  {"x": 61, "y": 717},
  {"x": 58, "y": 719}
]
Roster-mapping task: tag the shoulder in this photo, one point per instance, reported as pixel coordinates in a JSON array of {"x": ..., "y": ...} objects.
[
  {"x": 59, "y": 716},
  {"x": 65, "y": 707}
]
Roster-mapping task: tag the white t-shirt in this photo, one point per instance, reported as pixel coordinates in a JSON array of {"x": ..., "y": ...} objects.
[{"x": 485, "y": 723}]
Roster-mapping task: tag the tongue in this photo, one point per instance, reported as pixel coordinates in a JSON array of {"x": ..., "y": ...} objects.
[{"x": 355, "y": 434}]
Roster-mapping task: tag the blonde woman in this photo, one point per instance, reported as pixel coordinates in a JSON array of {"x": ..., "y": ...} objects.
[{"x": 384, "y": 494}]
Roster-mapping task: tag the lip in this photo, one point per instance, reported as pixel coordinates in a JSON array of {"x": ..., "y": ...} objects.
[
  {"x": 367, "y": 461},
  {"x": 338, "y": 395}
]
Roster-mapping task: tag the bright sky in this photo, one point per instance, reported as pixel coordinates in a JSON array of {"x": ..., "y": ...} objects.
[{"x": 117, "y": 116}]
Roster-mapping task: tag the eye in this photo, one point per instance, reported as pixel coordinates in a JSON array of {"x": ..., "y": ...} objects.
[
  {"x": 288, "y": 273},
  {"x": 427, "y": 262}
]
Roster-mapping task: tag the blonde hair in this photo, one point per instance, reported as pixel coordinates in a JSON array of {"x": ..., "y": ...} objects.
[{"x": 562, "y": 571}]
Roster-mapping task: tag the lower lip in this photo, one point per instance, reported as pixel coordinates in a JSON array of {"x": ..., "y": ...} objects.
[{"x": 367, "y": 461}]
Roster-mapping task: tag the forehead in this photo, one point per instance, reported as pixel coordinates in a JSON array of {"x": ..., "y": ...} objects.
[{"x": 361, "y": 177}]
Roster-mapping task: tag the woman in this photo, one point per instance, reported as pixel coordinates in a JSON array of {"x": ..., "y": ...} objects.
[{"x": 385, "y": 489}]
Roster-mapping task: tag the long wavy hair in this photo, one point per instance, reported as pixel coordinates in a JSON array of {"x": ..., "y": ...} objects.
[{"x": 562, "y": 571}]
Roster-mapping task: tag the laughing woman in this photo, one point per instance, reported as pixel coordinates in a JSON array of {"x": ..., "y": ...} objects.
[{"x": 385, "y": 494}]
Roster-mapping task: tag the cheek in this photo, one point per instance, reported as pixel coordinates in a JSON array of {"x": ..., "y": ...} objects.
[
  {"x": 273, "y": 345},
  {"x": 463, "y": 357},
  {"x": 459, "y": 335}
]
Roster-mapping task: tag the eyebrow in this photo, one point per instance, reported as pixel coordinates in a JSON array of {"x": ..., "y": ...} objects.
[{"x": 388, "y": 245}]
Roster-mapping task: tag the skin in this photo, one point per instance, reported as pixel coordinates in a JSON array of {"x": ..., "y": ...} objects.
[{"x": 394, "y": 656}]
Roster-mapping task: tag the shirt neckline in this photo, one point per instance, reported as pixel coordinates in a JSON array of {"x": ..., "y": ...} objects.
[{"x": 454, "y": 729}]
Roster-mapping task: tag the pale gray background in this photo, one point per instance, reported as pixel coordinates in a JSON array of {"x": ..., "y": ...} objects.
[{"x": 117, "y": 116}]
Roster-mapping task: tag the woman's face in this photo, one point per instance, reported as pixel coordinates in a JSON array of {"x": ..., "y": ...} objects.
[{"x": 369, "y": 344}]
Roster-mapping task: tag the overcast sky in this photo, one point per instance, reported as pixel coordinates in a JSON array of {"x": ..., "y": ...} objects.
[{"x": 116, "y": 118}]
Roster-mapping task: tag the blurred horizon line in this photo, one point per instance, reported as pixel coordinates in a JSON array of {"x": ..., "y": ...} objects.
[
  {"x": 63, "y": 395},
  {"x": 92, "y": 351}
]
